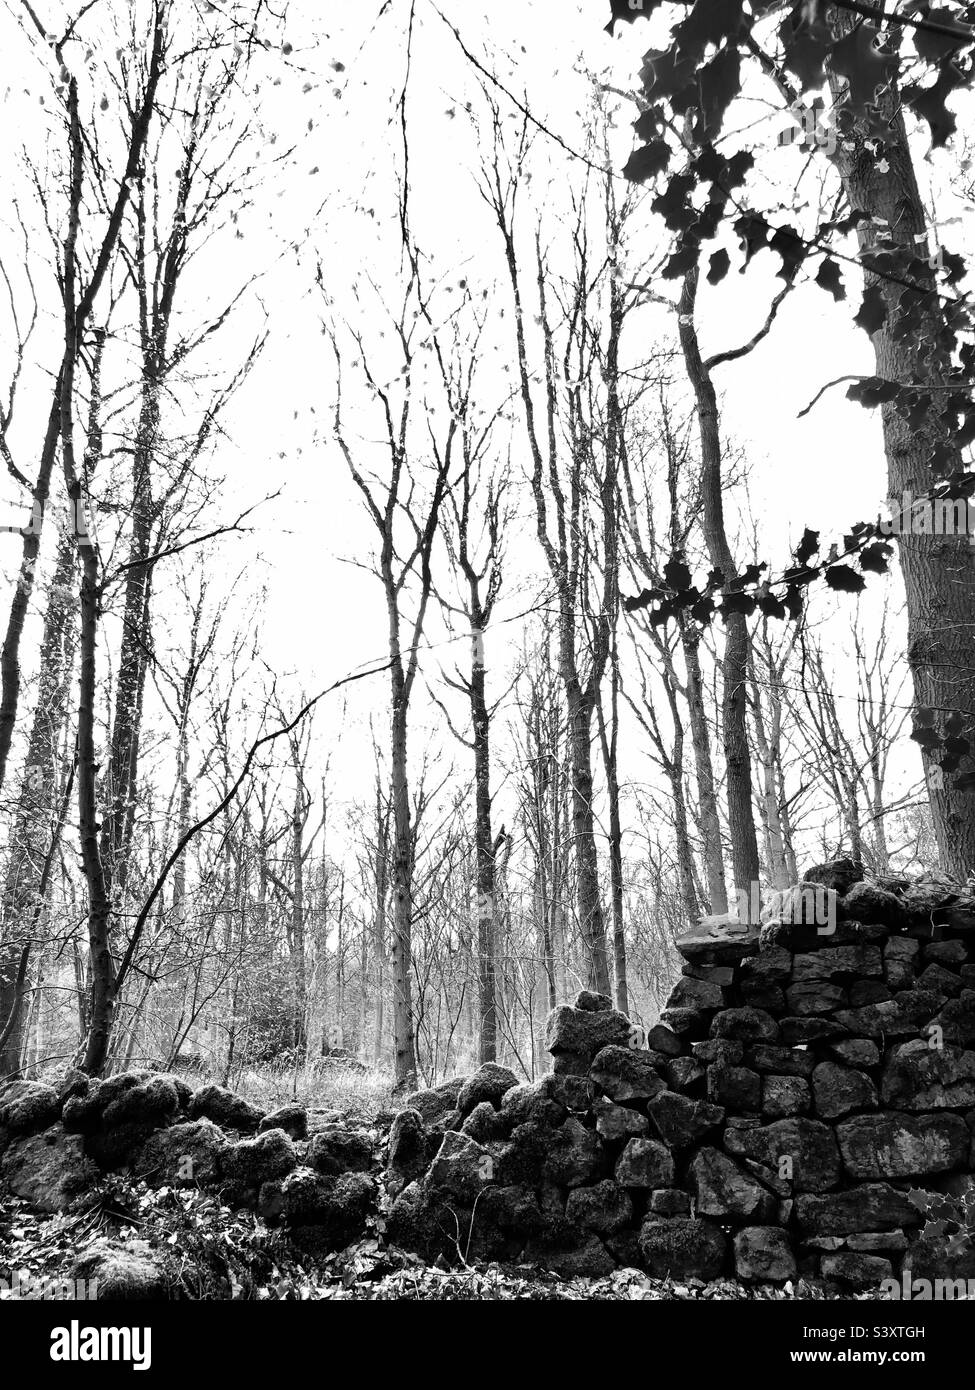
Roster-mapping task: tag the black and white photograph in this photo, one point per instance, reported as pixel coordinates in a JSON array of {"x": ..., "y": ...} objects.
[{"x": 487, "y": 674}]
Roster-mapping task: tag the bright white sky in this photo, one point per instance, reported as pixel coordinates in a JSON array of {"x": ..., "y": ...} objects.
[{"x": 335, "y": 200}]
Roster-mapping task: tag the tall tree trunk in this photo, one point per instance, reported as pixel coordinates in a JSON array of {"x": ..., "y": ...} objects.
[
  {"x": 741, "y": 816},
  {"x": 10, "y": 652},
  {"x": 404, "y": 1043},
  {"x": 608, "y": 739},
  {"x": 591, "y": 925},
  {"x": 36, "y": 805},
  {"x": 938, "y": 570},
  {"x": 707, "y": 800},
  {"x": 485, "y": 852}
]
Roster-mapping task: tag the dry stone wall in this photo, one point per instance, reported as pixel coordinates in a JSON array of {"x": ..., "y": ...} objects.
[
  {"x": 803, "y": 1081},
  {"x": 312, "y": 1174}
]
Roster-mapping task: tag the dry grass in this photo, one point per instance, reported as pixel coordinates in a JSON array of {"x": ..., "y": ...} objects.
[{"x": 360, "y": 1093}]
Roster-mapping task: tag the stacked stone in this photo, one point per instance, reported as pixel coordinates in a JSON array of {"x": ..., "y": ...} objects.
[
  {"x": 803, "y": 1081},
  {"x": 55, "y": 1145}
]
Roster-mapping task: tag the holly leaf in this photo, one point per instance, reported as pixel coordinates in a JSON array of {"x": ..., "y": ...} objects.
[
  {"x": 875, "y": 557},
  {"x": 719, "y": 82},
  {"x": 791, "y": 247},
  {"x": 719, "y": 266},
  {"x": 627, "y": 12},
  {"x": 647, "y": 162},
  {"x": 753, "y": 231},
  {"x": 673, "y": 203},
  {"x": 872, "y": 312},
  {"x": 865, "y": 65},
  {"x": 807, "y": 547},
  {"x": 929, "y": 104},
  {"x": 845, "y": 579},
  {"x": 677, "y": 575},
  {"x": 873, "y": 391},
  {"x": 710, "y": 21},
  {"x": 828, "y": 278}
]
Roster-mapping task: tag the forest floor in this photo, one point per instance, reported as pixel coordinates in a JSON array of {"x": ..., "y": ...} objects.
[{"x": 226, "y": 1254}]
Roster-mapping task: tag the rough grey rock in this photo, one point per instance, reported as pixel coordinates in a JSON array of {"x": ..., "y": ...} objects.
[
  {"x": 681, "y": 1247},
  {"x": 225, "y": 1109},
  {"x": 184, "y": 1155},
  {"x": 28, "y": 1106},
  {"x": 339, "y": 1150},
  {"x": 786, "y": 1061},
  {"x": 785, "y": 1095},
  {"x": 575, "y": 1155},
  {"x": 763, "y": 1255},
  {"x": 894, "y": 1144},
  {"x": 575, "y": 1036},
  {"x": 129, "y": 1271},
  {"x": 809, "y": 1146},
  {"x": 839, "y": 874},
  {"x": 49, "y": 1170},
  {"x": 718, "y": 939},
  {"x": 489, "y": 1083},
  {"x": 726, "y": 1192},
  {"x": 872, "y": 1206},
  {"x": 592, "y": 1002},
  {"x": 838, "y": 1090},
  {"x": 746, "y": 1025},
  {"x": 460, "y": 1168},
  {"x": 918, "y": 1077},
  {"x": 857, "y": 1270},
  {"x": 734, "y": 1088},
  {"x": 618, "y": 1121},
  {"x": 437, "y": 1105},
  {"x": 407, "y": 1153},
  {"x": 625, "y": 1074},
  {"x": 539, "y": 1101},
  {"x": 253, "y": 1161},
  {"x": 293, "y": 1119},
  {"x": 868, "y": 902},
  {"x": 604, "y": 1208},
  {"x": 645, "y": 1163},
  {"x": 681, "y": 1121}
]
